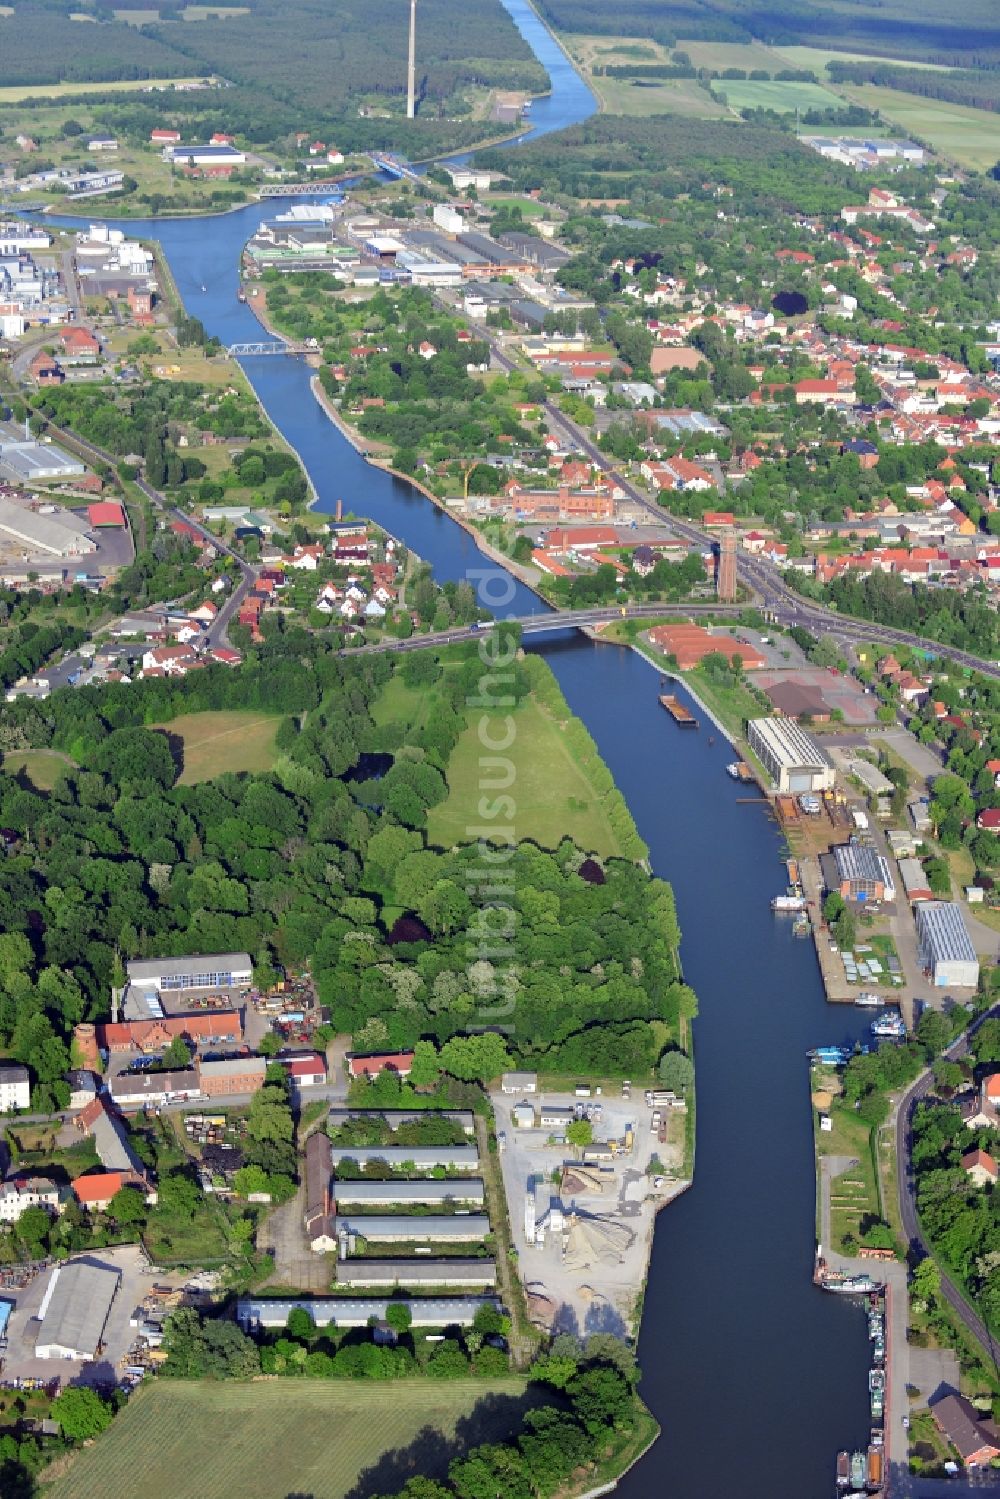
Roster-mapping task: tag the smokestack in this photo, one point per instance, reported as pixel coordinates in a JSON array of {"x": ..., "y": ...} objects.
[
  {"x": 411, "y": 71},
  {"x": 339, "y": 515}
]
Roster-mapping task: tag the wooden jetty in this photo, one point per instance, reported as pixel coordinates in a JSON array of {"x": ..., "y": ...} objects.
[{"x": 677, "y": 711}]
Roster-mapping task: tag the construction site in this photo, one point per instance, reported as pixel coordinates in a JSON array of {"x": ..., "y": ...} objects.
[{"x": 582, "y": 1217}]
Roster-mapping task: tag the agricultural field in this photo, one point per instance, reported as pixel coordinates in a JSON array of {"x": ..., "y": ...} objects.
[
  {"x": 817, "y": 58},
  {"x": 213, "y": 743},
  {"x": 542, "y": 760},
  {"x": 746, "y": 55},
  {"x": 283, "y": 1437},
  {"x": 784, "y": 97},
  {"x": 971, "y": 137},
  {"x": 41, "y": 767},
  {"x": 639, "y": 97}
]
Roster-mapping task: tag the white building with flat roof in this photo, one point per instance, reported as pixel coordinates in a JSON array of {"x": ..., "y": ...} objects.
[
  {"x": 791, "y": 757},
  {"x": 944, "y": 946},
  {"x": 226, "y": 970}
]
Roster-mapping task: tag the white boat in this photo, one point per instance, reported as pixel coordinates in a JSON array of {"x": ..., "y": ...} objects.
[
  {"x": 889, "y": 1024},
  {"x": 867, "y": 1000},
  {"x": 788, "y": 903}
]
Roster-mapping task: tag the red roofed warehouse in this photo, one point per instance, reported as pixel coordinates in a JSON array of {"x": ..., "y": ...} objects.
[{"x": 106, "y": 513}]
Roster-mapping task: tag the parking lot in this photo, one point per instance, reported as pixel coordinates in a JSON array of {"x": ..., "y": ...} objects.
[{"x": 587, "y": 1272}]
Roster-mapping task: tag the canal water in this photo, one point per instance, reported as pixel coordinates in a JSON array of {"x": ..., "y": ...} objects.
[{"x": 757, "y": 1377}]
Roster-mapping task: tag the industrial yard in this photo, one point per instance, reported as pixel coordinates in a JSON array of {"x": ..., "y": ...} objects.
[
  {"x": 79, "y": 1329},
  {"x": 582, "y": 1218}
]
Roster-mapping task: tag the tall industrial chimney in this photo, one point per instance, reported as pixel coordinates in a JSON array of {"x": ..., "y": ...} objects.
[{"x": 411, "y": 71}]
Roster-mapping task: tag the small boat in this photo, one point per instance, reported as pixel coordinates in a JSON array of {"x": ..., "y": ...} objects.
[
  {"x": 890, "y": 1025},
  {"x": 204, "y": 287},
  {"x": 740, "y": 771},
  {"x": 843, "y": 1469},
  {"x": 788, "y": 903},
  {"x": 832, "y": 1056},
  {"x": 866, "y": 1000},
  {"x": 711, "y": 738},
  {"x": 241, "y": 295},
  {"x": 801, "y": 926},
  {"x": 875, "y": 1328}
]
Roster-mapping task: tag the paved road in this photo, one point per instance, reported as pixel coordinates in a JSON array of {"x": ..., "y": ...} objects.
[
  {"x": 217, "y": 632},
  {"x": 907, "y": 1188},
  {"x": 70, "y": 282},
  {"x": 802, "y": 612}
]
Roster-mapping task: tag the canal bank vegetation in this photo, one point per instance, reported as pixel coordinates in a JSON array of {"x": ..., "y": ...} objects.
[{"x": 181, "y": 436}]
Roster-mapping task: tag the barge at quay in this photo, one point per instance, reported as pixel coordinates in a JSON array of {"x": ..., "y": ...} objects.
[{"x": 677, "y": 711}]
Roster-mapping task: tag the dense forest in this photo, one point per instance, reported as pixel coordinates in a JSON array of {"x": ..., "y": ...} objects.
[
  {"x": 965, "y": 35},
  {"x": 314, "y": 863},
  {"x": 615, "y": 157},
  {"x": 307, "y": 65}
]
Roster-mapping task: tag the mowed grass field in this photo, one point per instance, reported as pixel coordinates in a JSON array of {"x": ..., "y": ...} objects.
[
  {"x": 783, "y": 97},
  {"x": 969, "y": 136},
  {"x": 41, "y": 767},
  {"x": 229, "y": 740},
  {"x": 14, "y": 93},
  {"x": 181, "y": 1440},
  {"x": 552, "y": 794}
]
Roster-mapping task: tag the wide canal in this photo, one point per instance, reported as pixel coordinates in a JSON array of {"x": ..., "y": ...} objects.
[{"x": 756, "y": 1377}]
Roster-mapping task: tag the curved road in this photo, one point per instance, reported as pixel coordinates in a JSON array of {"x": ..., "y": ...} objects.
[{"x": 907, "y": 1188}]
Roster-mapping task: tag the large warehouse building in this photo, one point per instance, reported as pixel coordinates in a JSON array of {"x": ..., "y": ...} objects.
[
  {"x": 42, "y": 534},
  {"x": 944, "y": 946},
  {"x": 253, "y": 1313},
  {"x": 75, "y": 1309},
  {"x": 792, "y": 759},
  {"x": 365, "y": 1273},
  {"x": 415, "y": 1228},
  {"x": 427, "y": 1193}
]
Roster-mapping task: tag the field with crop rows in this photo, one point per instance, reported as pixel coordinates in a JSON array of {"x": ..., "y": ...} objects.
[{"x": 266, "y": 1440}]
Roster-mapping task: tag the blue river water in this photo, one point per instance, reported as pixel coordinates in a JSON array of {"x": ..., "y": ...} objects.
[{"x": 757, "y": 1377}]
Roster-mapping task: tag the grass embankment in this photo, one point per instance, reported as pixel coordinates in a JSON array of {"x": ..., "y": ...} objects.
[
  {"x": 561, "y": 786},
  {"x": 212, "y": 743},
  {"x": 199, "y": 1440},
  {"x": 854, "y": 1194}
]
